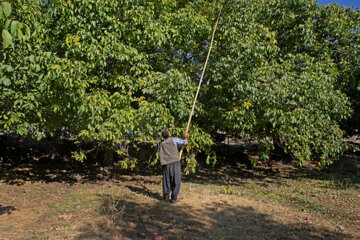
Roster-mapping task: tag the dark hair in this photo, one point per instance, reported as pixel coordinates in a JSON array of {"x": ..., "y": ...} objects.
[{"x": 165, "y": 134}]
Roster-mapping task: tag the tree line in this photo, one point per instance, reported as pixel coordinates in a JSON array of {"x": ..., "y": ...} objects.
[{"x": 281, "y": 74}]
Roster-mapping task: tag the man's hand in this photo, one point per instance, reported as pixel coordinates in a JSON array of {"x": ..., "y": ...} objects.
[{"x": 185, "y": 135}]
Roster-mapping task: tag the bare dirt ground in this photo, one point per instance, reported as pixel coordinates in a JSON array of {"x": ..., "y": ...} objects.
[
  {"x": 53, "y": 198},
  {"x": 277, "y": 202}
]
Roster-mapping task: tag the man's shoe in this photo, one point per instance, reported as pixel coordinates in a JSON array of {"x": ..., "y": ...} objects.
[{"x": 175, "y": 200}]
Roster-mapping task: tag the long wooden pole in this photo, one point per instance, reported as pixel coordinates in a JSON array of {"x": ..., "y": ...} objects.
[{"x": 201, "y": 78}]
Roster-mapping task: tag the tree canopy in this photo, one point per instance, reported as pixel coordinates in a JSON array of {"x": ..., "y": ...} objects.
[{"x": 117, "y": 72}]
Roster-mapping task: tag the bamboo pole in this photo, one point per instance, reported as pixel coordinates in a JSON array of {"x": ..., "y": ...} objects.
[{"x": 201, "y": 78}]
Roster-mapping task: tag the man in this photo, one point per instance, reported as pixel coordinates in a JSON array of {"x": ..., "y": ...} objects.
[{"x": 169, "y": 159}]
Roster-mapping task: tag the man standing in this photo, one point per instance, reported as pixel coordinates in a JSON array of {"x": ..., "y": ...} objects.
[{"x": 170, "y": 161}]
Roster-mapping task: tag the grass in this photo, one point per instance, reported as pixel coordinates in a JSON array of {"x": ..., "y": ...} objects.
[
  {"x": 8, "y": 229},
  {"x": 310, "y": 195}
]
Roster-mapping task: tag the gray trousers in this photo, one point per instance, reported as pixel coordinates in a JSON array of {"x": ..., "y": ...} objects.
[{"x": 171, "y": 180}]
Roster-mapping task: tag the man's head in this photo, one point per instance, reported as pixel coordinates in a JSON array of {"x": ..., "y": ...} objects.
[{"x": 166, "y": 134}]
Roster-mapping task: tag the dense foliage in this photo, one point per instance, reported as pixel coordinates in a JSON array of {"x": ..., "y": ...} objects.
[{"x": 117, "y": 72}]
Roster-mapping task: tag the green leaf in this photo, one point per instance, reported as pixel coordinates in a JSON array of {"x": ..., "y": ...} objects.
[
  {"x": 1, "y": 13},
  {"x": 7, "y": 39},
  {"x": 9, "y": 68},
  {"x": 6, "y": 8},
  {"x": 27, "y": 32},
  {"x": 13, "y": 27},
  {"x": 20, "y": 34},
  {"x": 6, "y": 82},
  {"x": 208, "y": 160},
  {"x": 7, "y": 24}
]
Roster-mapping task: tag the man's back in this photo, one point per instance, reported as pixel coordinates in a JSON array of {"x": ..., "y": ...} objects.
[{"x": 168, "y": 152}]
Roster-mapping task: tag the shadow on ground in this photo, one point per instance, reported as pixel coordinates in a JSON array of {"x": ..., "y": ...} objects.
[
  {"x": 50, "y": 161},
  {"x": 145, "y": 191},
  {"x": 344, "y": 173},
  {"x": 6, "y": 209},
  {"x": 163, "y": 220}
]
